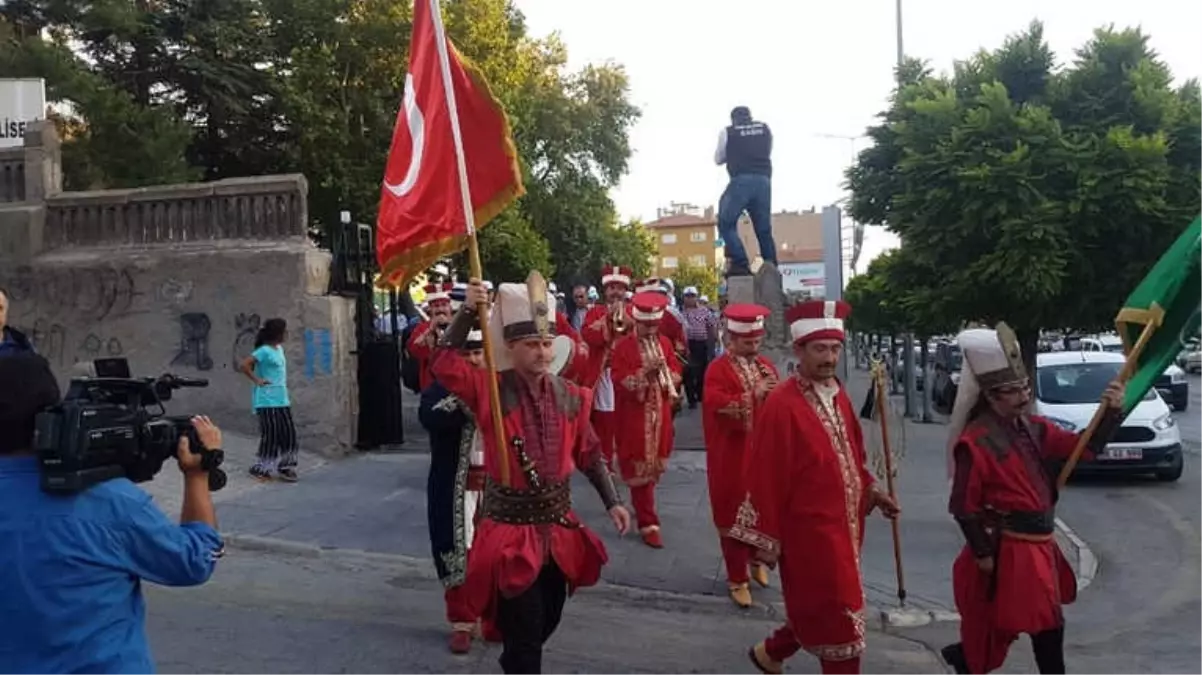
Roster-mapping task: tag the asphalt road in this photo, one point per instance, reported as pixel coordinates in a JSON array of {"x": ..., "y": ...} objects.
[{"x": 1142, "y": 611}]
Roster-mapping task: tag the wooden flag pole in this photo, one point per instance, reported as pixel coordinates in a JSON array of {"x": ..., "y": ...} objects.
[
  {"x": 882, "y": 402},
  {"x": 1125, "y": 374},
  {"x": 473, "y": 246}
]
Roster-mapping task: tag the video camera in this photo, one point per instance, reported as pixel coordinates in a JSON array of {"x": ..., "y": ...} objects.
[{"x": 111, "y": 425}]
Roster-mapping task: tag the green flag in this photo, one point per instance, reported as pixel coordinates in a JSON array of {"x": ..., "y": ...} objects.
[{"x": 1172, "y": 294}]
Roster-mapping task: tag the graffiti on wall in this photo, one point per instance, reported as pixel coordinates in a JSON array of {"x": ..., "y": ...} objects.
[
  {"x": 95, "y": 346},
  {"x": 246, "y": 329},
  {"x": 194, "y": 341},
  {"x": 93, "y": 293},
  {"x": 319, "y": 355}
]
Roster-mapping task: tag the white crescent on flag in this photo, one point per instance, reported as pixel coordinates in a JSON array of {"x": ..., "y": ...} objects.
[{"x": 417, "y": 134}]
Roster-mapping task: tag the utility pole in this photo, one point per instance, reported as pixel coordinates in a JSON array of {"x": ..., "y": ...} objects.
[{"x": 900, "y": 52}]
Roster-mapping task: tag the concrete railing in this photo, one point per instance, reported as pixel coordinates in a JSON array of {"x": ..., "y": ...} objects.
[
  {"x": 12, "y": 175},
  {"x": 262, "y": 207}
]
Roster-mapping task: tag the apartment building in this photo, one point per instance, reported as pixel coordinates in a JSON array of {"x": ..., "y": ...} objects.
[{"x": 684, "y": 233}]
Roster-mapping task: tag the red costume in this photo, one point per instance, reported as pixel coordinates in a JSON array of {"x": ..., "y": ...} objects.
[
  {"x": 670, "y": 326},
  {"x": 594, "y": 372},
  {"x": 728, "y": 410},
  {"x": 421, "y": 342},
  {"x": 645, "y": 394},
  {"x": 1003, "y": 499},
  {"x": 527, "y": 538},
  {"x": 577, "y": 365},
  {"x": 808, "y": 494}
]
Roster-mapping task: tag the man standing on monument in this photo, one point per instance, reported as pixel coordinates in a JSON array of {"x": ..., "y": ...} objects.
[
  {"x": 530, "y": 550},
  {"x": 745, "y": 147},
  {"x": 603, "y": 325},
  {"x": 736, "y": 385},
  {"x": 646, "y": 377},
  {"x": 808, "y": 493}
]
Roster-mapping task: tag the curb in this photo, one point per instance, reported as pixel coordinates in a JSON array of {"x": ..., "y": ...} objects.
[{"x": 1087, "y": 562}]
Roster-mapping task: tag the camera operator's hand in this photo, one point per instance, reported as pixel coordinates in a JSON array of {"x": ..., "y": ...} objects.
[{"x": 209, "y": 435}]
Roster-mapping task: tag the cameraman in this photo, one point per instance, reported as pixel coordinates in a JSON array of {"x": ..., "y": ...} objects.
[{"x": 70, "y": 580}]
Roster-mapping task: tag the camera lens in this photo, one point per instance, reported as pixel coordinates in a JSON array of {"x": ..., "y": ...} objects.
[{"x": 217, "y": 480}]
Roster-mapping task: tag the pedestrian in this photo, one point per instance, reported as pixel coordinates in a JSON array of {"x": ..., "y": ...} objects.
[
  {"x": 12, "y": 341},
  {"x": 647, "y": 380},
  {"x": 745, "y": 147},
  {"x": 267, "y": 367},
  {"x": 808, "y": 493},
  {"x": 425, "y": 336},
  {"x": 1010, "y": 578},
  {"x": 454, "y": 489},
  {"x": 736, "y": 385},
  {"x": 530, "y": 550},
  {"x": 701, "y": 331}
]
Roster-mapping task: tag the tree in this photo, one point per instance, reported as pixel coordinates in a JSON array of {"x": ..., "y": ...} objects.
[
  {"x": 704, "y": 277},
  {"x": 1030, "y": 195}
]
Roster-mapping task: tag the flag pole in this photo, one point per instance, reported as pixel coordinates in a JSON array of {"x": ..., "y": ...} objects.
[
  {"x": 882, "y": 402},
  {"x": 473, "y": 246},
  {"x": 1129, "y": 366}
]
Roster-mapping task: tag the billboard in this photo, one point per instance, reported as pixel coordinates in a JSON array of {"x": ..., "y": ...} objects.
[
  {"x": 22, "y": 102},
  {"x": 807, "y": 278}
]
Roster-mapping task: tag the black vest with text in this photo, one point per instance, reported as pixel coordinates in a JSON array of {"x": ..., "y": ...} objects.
[{"x": 749, "y": 149}]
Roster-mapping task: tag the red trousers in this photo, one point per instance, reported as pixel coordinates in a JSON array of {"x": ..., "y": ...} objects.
[
  {"x": 642, "y": 498},
  {"x": 603, "y": 423},
  {"x": 457, "y": 610},
  {"x": 783, "y": 643},
  {"x": 737, "y": 557}
]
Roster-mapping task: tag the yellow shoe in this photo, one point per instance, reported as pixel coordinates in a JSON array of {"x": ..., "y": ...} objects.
[
  {"x": 760, "y": 574},
  {"x": 759, "y": 657},
  {"x": 740, "y": 594}
]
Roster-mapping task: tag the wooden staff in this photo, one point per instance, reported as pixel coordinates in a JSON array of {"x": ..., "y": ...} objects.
[
  {"x": 882, "y": 402},
  {"x": 473, "y": 246},
  {"x": 1153, "y": 322}
]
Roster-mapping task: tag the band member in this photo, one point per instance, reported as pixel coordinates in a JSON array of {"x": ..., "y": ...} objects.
[
  {"x": 530, "y": 551},
  {"x": 671, "y": 326},
  {"x": 453, "y": 491},
  {"x": 603, "y": 325},
  {"x": 578, "y": 363},
  {"x": 808, "y": 495},
  {"x": 1011, "y": 577},
  {"x": 424, "y": 338},
  {"x": 647, "y": 387},
  {"x": 736, "y": 385}
]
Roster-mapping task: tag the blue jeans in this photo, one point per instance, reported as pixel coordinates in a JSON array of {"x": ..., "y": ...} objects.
[{"x": 751, "y": 193}]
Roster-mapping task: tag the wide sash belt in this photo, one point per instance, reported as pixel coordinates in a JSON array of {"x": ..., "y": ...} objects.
[
  {"x": 1038, "y": 523},
  {"x": 545, "y": 505}
]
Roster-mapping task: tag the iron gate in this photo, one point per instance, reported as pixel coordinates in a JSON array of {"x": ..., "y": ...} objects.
[{"x": 378, "y": 352}]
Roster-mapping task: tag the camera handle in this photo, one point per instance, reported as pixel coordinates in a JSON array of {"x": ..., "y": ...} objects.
[{"x": 210, "y": 460}]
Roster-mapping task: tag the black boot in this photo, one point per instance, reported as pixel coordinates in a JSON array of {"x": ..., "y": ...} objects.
[{"x": 954, "y": 656}]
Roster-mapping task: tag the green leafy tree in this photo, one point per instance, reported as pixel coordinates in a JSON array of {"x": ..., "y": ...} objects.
[
  {"x": 1029, "y": 195},
  {"x": 704, "y": 277}
]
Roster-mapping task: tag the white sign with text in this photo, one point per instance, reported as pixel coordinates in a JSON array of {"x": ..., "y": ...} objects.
[
  {"x": 22, "y": 102},
  {"x": 809, "y": 277}
]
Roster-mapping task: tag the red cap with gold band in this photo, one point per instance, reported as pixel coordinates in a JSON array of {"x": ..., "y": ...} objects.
[
  {"x": 648, "y": 307},
  {"x": 817, "y": 320},
  {"x": 745, "y": 320},
  {"x": 438, "y": 292},
  {"x": 616, "y": 274}
]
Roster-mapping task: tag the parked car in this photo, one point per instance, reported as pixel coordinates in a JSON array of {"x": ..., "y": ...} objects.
[
  {"x": 1190, "y": 358},
  {"x": 1172, "y": 383},
  {"x": 1068, "y": 389},
  {"x": 899, "y": 368},
  {"x": 945, "y": 376}
]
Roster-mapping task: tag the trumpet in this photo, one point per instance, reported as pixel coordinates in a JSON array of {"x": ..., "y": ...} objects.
[
  {"x": 664, "y": 374},
  {"x": 618, "y": 318}
]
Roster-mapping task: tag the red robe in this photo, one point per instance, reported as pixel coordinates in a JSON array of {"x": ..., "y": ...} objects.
[
  {"x": 727, "y": 411},
  {"x": 807, "y": 497},
  {"x": 671, "y": 328},
  {"x": 1000, "y": 468},
  {"x": 576, "y": 366},
  {"x": 507, "y": 558},
  {"x": 643, "y": 409},
  {"x": 421, "y": 350},
  {"x": 596, "y": 334}
]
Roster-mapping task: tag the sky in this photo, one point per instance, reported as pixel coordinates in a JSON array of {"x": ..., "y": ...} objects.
[{"x": 816, "y": 72}]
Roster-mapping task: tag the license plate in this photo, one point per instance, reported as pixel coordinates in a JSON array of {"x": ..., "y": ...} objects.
[{"x": 1123, "y": 453}]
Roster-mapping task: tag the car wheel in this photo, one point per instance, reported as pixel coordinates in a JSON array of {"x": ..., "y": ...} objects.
[{"x": 1171, "y": 474}]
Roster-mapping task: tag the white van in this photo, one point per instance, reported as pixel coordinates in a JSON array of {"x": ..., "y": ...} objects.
[{"x": 1068, "y": 389}]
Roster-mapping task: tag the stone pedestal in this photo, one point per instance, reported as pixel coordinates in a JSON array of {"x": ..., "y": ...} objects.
[{"x": 766, "y": 288}]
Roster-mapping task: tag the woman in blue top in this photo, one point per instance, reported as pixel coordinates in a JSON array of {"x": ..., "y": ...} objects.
[{"x": 267, "y": 367}]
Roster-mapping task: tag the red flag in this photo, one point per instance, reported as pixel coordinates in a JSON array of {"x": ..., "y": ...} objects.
[{"x": 421, "y": 216}]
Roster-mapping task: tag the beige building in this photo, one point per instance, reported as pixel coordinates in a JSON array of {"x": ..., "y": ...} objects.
[{"x": 688, "y": 233}]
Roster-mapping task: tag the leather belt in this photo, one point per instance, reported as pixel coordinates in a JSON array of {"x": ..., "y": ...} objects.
[
  {"x": 1037, "y": 523},
  {"x": 546, "y": 505}
]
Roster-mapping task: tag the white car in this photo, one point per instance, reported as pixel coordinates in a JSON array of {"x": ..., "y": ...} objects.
[
  {"x": 1068, "y": 389},
  {"x": 1171, "y": 384}
]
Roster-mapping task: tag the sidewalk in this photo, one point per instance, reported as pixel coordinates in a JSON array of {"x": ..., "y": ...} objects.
[{"x": 375, "y": 502}]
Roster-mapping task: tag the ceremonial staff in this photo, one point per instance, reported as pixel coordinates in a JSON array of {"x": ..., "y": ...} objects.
[{"x": 878, "y": 406}]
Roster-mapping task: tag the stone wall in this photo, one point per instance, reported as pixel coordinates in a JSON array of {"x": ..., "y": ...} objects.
[{"x": 179, "y": 279}]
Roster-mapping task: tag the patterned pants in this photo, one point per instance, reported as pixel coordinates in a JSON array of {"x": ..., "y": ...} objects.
[
  {"x": 783, "y": 643},
  {"x": 277, "y": 439}
]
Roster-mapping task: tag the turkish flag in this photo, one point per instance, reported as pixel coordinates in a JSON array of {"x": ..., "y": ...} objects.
[{"x": 421, "y": 216}]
